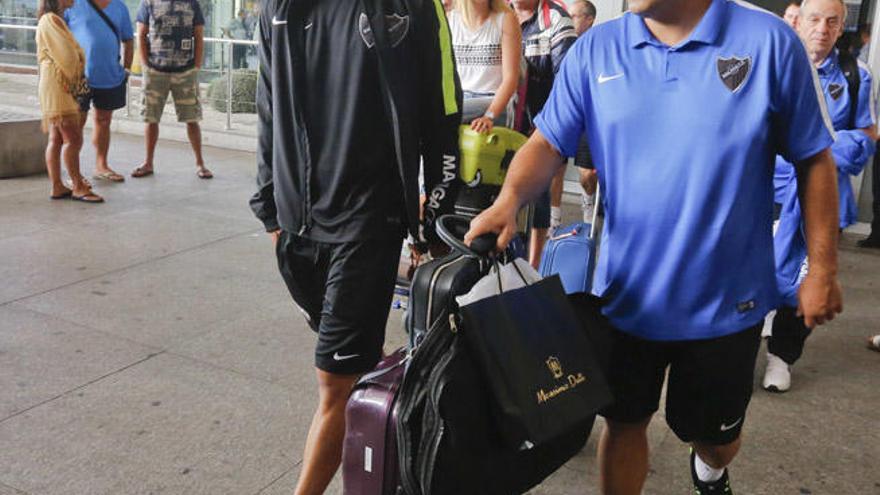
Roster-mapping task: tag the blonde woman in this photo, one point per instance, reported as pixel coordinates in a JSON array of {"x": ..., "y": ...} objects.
[
  {"x": 61, "y": 79},
  {"x": 487, "y": 41}
]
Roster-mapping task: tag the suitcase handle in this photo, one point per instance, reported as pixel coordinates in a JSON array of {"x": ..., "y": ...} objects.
[{"x": 452, "y": 229}]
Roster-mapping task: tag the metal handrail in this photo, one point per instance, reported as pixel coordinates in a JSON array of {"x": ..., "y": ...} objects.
[
  {"x": 229, "y": 43},
  {"x": 18, "y": 26},
  {"x": 232, "y": 41}
]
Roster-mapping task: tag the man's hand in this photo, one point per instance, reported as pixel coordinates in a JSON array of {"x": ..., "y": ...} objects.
[
  {"x": 530, "y": 172},
  {"x": 820, "y": 299},
  {"x": 275, "y": 235},
  {"x": 500, "y": 219}
]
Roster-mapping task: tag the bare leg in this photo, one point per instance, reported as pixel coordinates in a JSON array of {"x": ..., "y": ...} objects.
[
  {"x": 194, "y": 133},
  {"x": 101, "y": 139},
  {"x": 73, "y": 142},
  {"x": 323, "y": 451},
  {"x": 151, "y": 137},
  {"x": 718, "y": 456},
  {"x": 556, "y": 188},
  {"x": 53, "y": 161},
  {"x": 536, "y": 246},
  {"x": 588, "y": 180},
  {"x": 623, "y": 458}
]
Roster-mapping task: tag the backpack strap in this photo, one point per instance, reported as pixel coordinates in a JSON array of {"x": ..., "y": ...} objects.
[
  {"x": 850, "y": 68},
  {"x": 106, "y": 19}
]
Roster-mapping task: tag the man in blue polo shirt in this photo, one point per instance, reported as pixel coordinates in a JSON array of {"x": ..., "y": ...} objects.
[
  {"x": 685, "y": 104},
  {"x": 101, "y": 36},
  {"x": 850, "y": 106}
]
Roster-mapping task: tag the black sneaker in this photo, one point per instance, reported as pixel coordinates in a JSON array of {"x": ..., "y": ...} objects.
[
  {"x": 872, "y": 241},
  {"x": 720, "y": 487}
]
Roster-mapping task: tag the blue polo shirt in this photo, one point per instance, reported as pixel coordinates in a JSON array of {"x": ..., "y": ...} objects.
[
  {"x": 101, "y": 45},
  {"x": 851, "y": 151},
  {"x": 836, "y": 90},
  {"x": 790, "y": 240},
  {"x": 684, "y": 140}
]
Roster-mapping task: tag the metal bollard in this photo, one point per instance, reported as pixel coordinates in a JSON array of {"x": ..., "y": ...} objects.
[
  {"x": 128, "y": 96},
  {"x": 229, "y": 86}
]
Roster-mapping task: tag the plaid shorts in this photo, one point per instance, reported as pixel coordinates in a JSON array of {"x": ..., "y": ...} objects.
[{"x": 184, "y": 89}]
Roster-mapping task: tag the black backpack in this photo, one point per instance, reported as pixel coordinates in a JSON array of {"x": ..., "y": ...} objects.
[{"x": 850, "y": 68}]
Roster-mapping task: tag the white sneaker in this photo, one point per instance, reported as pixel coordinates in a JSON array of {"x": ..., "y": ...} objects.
[
  {"x": 767, "y": 330},
  {"x": 777, "y": 377}
]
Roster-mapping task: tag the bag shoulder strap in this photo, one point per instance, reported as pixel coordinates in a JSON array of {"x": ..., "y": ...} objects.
[
  {"x": 106, "y": 19},
  {"x": 850, "y": 68}
]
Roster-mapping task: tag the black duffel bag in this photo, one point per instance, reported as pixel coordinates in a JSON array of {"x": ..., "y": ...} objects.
[{"x": 449, "y": 435}]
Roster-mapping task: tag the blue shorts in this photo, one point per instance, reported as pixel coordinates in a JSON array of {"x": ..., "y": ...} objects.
[{"x": 104, "y": 98}]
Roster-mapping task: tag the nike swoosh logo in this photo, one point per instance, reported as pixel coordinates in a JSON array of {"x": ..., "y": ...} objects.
[
  {"x": 338, "y": 357},
  {"x": 604, "y": 79},
  {"x": 276, "y": 22},
  {"x": 725, "y": 427}
]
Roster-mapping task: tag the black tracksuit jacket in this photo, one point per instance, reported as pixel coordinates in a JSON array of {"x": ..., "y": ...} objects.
[{"x": 327, "y": 171}]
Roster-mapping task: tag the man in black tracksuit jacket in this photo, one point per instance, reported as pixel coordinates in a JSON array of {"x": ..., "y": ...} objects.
[{"x": 351, "y": 96}]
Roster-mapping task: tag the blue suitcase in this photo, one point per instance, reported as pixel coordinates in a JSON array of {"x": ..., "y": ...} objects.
[{"x": 571, "y": 253}]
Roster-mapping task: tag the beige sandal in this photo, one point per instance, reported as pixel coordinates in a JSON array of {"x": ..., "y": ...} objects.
[{"x": 142, "y": 171}]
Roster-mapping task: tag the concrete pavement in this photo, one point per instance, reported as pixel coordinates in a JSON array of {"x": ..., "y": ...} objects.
[{"x": 148, "y": 346}]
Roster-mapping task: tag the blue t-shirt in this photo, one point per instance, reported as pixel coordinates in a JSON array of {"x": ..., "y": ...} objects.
[
  {"x": 100, "y": 44},
  {"x": 171, "y": 26},
  {"x": 684, "y": 140}
]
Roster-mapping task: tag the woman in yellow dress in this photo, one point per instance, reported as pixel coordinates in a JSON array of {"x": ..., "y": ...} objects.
[{"x": 62, "y": 65}]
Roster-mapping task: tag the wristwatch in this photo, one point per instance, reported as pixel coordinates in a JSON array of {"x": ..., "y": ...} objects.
[{"x": 489, "y": 115}]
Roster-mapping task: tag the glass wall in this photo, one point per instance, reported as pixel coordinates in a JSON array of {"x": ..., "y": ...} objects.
[
  {"x": 18, "y": 46},
  {"x": 222, "y": 20}
]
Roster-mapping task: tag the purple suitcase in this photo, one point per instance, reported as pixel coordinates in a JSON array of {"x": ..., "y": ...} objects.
[{"x": 369, "y": 455}]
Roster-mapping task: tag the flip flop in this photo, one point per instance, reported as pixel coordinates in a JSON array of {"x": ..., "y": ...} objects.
[
  {"x": 141, "y": 172},
  {"x": 88, "y": 198},
  {"x": 63, "y": 195},
  {"x": 109, "y": 176},
  {"x": 204, "y": 173}
]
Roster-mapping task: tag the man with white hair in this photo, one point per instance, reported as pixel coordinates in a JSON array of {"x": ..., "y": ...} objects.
[{"x": 846, "y": 85}]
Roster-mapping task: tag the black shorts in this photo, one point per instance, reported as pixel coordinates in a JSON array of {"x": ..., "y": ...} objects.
[
  {"x": 345, "y": 291},
  {"x": 709, "y": 386},
  {"x": 541, "y": 213},
  {"x": 104, "y": 98},
  {"x": 584, "y": 158}
]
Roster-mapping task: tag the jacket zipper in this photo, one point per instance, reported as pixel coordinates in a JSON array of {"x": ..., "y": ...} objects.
[{"x": 303, "y": 135}]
